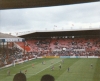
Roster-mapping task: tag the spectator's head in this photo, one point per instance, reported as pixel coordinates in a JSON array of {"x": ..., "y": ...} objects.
[
  {"x": 47, "y": 77},
  {"x": 19, "y": 77}
]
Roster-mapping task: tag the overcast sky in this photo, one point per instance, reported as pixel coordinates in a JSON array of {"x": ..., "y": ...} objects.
[{"x": 51, "y": 18}]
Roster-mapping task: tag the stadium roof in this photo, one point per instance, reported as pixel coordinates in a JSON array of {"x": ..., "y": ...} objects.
[
  {"x": 10, "y": 38},
  {"x": 2, "y": 35},
  {"x": 95, "y": 32},
  {"x": 15, "y": 4}
]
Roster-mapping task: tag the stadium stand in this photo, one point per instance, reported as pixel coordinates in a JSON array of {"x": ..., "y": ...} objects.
[
  {"x": 9, "y": 52},
  {"x": 67, "y": 46}
]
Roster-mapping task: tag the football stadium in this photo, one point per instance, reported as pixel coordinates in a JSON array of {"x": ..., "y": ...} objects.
[{"x": 67, "y": 55}]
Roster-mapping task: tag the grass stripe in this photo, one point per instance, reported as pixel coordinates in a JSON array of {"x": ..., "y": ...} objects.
[{"x": 80, "y": 70}]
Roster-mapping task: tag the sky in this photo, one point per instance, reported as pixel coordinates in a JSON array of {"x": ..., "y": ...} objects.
[{"x": 76, "y": 16}]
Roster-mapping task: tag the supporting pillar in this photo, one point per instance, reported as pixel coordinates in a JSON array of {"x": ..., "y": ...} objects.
[
  {"x": 24, "y": 48},
  {"x": 7, "y": 52}
]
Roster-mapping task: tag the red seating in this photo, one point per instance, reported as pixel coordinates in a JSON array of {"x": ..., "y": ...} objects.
[{"x": 26, "y": 47}]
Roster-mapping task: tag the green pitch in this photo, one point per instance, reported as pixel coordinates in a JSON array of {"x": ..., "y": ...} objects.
[{"x": 80, "y": 70}]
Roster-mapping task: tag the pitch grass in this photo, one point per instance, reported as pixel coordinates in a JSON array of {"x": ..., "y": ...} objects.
[{"x": 80, "y": 70}]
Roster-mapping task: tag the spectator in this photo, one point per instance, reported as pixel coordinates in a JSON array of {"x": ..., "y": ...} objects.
[
  {"x": 19, "y": 77},
  {"x": 47, "y": 77}
]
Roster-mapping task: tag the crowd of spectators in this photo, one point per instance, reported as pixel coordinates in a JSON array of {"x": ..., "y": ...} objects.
[
  {"x": 66, "y": 46},
  {"x": 13, "y": 54},
  {"x": 8, "y": 55}
]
